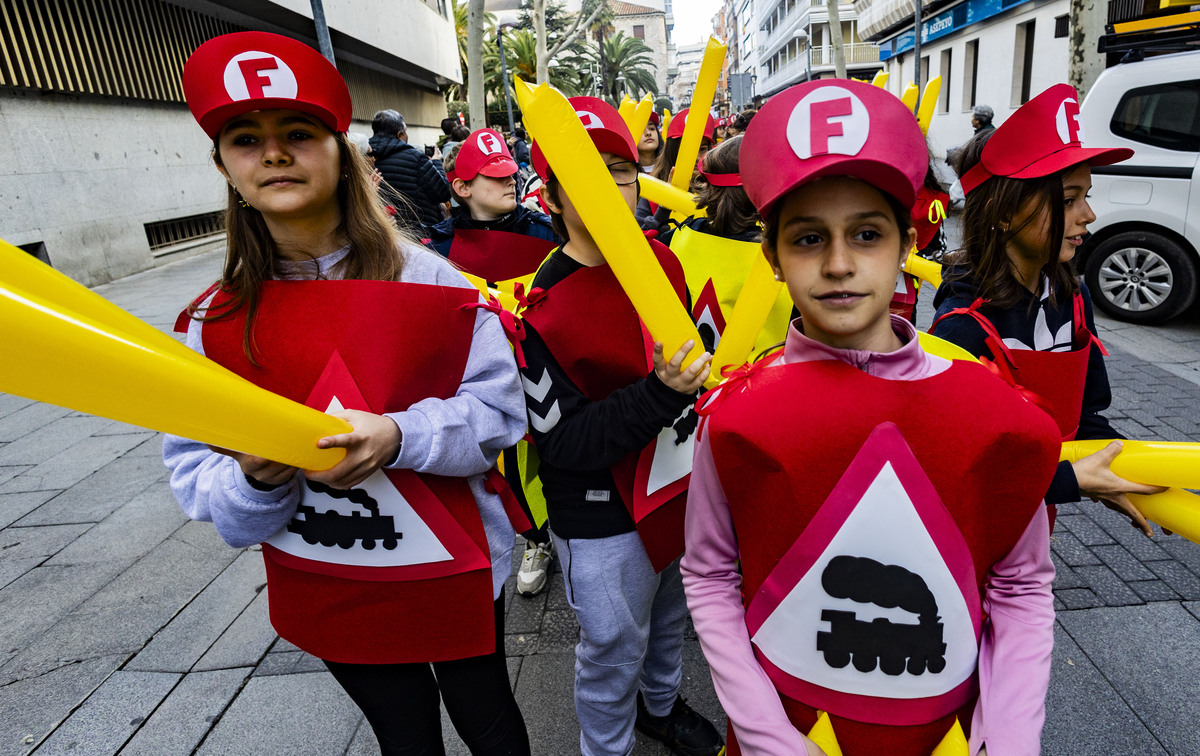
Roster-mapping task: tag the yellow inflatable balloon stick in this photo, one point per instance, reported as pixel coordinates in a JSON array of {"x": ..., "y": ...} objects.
[
  {"x": 822, "y": 735},
  {"x": 582, "y": 173},
  {"x": 942, "y": 348},
  {"x": 626, "y": 107},
  {"x": 928, "y": 102},
  {"x": 954, "y": 744},
  {"x": 702, "y": 100},
  {"x": 665, "y": 121},
  {"x": 91, "y": 359},
  {"x": 880, "y": 80},
  {"x": 1174, "y": 509},
  {"x": 667, "y": 195},
  {"x": 1175, "y": 464},
  {"x": 754, "y": 305},
  {"x": 640, "y": 116},
  {"x": 909, "y": 98},
  {"x": 924, "y": 269}
]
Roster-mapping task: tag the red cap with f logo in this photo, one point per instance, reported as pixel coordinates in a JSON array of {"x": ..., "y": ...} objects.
[
  {"x": 837, "y": 127},
  {"x": 237, "y": 73},
  {"x": 486, "y": 152},
  {"x": 604, "y": 125},
  {"x": 1043, "y": 137}
]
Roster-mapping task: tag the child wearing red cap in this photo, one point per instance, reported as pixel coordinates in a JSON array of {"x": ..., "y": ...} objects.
[
  {"x": 650, "y": 144},
  {"x": 595, "y": 405},
  {"x": 491, "y": 236},
  {"x": 1012, "y": 295},
  {"x": 868, "y": 555},
  {"x": 324, "y": 301}
]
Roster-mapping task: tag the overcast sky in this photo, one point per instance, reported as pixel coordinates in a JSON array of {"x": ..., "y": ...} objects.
[{"x": 693, "y": 20}]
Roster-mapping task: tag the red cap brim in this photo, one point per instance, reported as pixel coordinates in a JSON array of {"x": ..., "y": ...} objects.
[
  {"x": 499, "y": 166},
  {"x": 1052, "y": 163}
]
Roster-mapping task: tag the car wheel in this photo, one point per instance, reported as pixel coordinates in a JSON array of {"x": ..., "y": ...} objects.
[{"x": 1141, "y": 277}]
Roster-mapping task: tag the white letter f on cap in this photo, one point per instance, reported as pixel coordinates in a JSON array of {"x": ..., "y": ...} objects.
[{"x": 828, "y": 120}]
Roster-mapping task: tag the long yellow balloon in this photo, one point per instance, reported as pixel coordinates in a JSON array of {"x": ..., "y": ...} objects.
[
  {"x": 702, "y": 100},
  {"x": 928, "y": 103},
  {"x": 954, "y": 744},
  {"x": 73, "y": 360},
  {"x": 667, "y": 195},
  {"x": 666, "y": 120},
  {"x": 754, "y": 305},
  {"x": 603, "y": 209},
  {"x": 909, "y": 98},
  {"x": 822, "y": 734},
  {"x": 880, "y": 80},
  {"x": 1174, "y": 509},
  {"x": 24, "y": 273},
  {"x": 1156, "y": 463},
  {"x": 626, "y": 107},
  {"x": 637, "y": 120},
  {"x": 926, "y": 270}
]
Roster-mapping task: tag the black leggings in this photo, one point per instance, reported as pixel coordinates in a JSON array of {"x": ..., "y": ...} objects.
[{"x": 401, "y": 703}]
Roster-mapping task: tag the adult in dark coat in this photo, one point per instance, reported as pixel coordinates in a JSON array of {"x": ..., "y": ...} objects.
[{"x": 407, "y": 172}]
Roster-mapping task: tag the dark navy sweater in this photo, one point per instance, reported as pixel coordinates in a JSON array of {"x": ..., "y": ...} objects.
[{"x": 1039, "y": 325}]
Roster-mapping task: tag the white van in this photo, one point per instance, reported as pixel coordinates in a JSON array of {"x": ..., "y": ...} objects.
[{"x": 1141, "y": 259}]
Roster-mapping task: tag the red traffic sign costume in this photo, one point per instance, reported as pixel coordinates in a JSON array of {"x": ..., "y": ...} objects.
[
  {"x": 597, "y": 338},
  {"x": 498, "y": 256},
  {"x": 864, "y": 547},
  {"x": 363, "y": 576}
]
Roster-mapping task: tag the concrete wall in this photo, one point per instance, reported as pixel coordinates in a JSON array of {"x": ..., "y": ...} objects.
[
  {"x": 996, "y": 68},
  {"x": 83, "y": 174}
]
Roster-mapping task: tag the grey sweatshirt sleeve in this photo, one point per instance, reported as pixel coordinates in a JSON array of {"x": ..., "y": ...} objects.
[
  {"x": 212, "y": 488},
  {"x": 462, "y": 436}
]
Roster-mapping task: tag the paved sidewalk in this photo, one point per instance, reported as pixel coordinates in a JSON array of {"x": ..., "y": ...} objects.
[{"x": 127, "y": 629}]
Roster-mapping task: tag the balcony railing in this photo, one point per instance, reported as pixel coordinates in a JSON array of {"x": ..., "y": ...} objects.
[{"x": 857, "y": 52}]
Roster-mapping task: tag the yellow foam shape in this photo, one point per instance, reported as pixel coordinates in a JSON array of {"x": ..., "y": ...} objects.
[
  {"x": 640, "y": 116},
  {"x": 909, "y": 98},
  {"x": 880, "y": 80},
  {"x": 926, "y": 270},
  {"x": 954, "y": 744},
  {"x": 754, "y": 304},
  {"x": 942, "y": 348},
  {"x": 822, "y": 735},
  {"x": 928, "y": 102}
]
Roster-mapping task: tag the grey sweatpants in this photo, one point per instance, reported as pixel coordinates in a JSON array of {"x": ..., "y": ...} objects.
[{"x": 631, "y": 637}]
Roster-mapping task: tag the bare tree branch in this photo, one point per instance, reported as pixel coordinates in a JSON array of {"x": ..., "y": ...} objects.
[{"x": 577, "y": 29}]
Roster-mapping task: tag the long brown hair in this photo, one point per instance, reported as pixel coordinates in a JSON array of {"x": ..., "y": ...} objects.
[
  {"x": 730, "y": 211},
  {"x": 989, "y": 224},
  {"x": 251, "y": 254}
]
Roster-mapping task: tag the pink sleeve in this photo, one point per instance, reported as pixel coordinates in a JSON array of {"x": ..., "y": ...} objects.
[
  {"x": 712, "y": 584},
  {"x": 1014, "y": 658}
]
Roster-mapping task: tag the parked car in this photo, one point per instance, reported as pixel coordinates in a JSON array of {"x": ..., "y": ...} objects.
[{"x": 1141, "y": 260}]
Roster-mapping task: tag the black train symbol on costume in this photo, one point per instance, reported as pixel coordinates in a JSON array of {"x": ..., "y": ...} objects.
[
  {"x": 894, "y": 646},
  {"x": 333, "y": 529},
  {"x": 686, "y": 425}
]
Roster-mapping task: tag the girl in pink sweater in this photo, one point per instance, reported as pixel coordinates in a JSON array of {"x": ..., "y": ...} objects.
[{"x": 878, "y": 549}]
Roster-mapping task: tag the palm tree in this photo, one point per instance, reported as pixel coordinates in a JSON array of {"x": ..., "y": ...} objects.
[
  {"x": 520, "y": 50},
  {"x": 624, "y": 58}
]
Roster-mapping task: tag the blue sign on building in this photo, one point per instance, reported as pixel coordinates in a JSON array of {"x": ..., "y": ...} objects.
[{"x": 958, "y": 17}]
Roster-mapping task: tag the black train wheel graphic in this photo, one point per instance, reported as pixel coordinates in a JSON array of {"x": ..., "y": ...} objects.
[
  {"x": 894, "y": 647},
  {"x": 334, "y": 529}
]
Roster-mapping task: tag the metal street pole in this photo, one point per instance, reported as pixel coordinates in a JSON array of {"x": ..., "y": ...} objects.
[
  {"x": 504, "y": 74},
  {"x": 917, "y": 49},
  {"x": 318, "y": 11}
]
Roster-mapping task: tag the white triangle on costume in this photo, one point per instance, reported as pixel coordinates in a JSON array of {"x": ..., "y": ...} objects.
[
  {"x": 886, "y": 527},
  {"x": 707, "y": 318},
  {"x": 671, "y": 461},
  {"x": 418, "y": 543}
]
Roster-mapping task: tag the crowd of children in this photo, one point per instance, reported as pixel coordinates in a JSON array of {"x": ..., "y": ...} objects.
[{"x": 864, "y": 532}]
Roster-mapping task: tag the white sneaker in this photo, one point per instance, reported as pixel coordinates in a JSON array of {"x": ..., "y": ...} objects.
[{"x": 535, "y": 568}]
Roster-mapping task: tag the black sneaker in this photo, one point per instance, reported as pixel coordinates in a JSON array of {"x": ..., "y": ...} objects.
[{"x": 683, "y": 730}]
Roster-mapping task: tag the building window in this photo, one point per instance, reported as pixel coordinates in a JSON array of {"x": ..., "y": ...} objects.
[
  {"x": 924, "y": 73},
  {"x": 944, "y": 72},
  {"x": 1062, "y": 26},
  {"x": 639, "y": 32},
  {"x": 970, "y": 73},
  {"x": 1022, "y": 79},
  {"x": 172, "y": 235}
]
